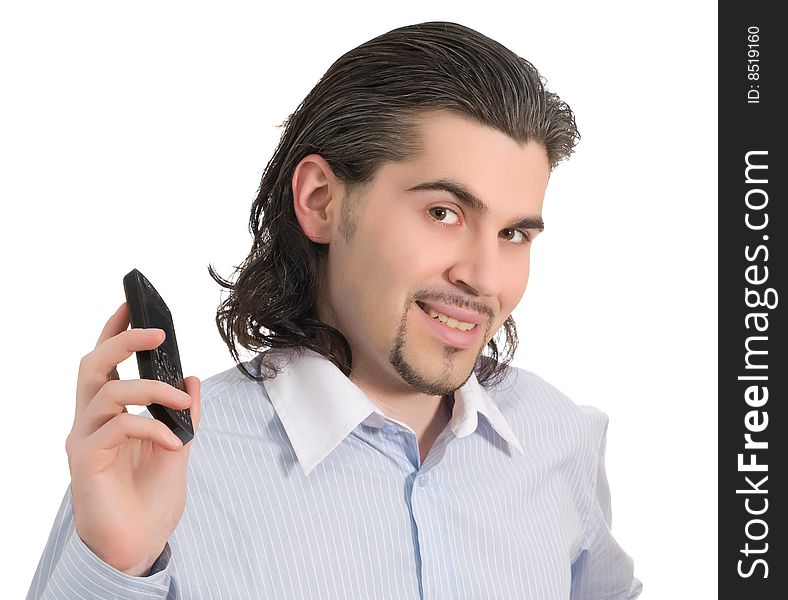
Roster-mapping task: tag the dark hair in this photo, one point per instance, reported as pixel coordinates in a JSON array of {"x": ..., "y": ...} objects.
[{"x": 361, "y": 114}]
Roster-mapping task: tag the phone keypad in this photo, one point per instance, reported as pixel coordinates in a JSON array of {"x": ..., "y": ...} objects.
[{"x": 167, "y": 372}]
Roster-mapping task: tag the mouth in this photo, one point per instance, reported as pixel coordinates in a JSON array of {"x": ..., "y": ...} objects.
[
  {"x": 451, "y": 321},
  {"x": 450, "y": 331}
]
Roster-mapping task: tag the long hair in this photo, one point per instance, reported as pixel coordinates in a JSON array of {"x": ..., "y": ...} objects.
[{"x": 361, "y": 114}]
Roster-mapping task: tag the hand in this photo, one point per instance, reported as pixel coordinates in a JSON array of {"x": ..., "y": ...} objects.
[{"x": 128, "y": 472}]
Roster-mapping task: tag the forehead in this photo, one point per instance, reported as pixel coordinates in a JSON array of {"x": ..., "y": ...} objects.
[{"x": 490, "y": 163}]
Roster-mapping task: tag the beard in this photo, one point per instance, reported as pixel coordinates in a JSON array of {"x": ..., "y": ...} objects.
[{"x": 452, "y": 376}]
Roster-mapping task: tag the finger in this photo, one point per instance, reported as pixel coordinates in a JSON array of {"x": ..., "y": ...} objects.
[
  {"x": 114, "y": 396},
  {"x": 125, "y": 427},
  {"x": 193, "y": 386},
  {"x": 99, "y": 366},
  {"x": 119, "y": 321}
]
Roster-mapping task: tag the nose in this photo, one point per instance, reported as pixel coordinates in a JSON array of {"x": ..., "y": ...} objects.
[{"x": 479, "y": 267}]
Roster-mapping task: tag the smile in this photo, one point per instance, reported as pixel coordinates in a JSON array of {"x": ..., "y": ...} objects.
[
  {"x": 446, "y": 319},
  {"x": 450, "y": 331}
]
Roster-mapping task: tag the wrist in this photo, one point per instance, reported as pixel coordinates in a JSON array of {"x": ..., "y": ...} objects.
[
  {"x": 140, "y": 570},
  {"x": 148, "y": 568}
]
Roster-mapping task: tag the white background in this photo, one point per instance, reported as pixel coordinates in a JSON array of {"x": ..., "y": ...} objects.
[{"x": 135, "y": 135}]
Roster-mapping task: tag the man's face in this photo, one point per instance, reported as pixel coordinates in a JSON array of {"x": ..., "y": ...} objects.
[{"x": 426, "y": 245}]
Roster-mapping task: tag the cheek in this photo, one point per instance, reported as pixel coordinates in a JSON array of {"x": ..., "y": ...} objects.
[
  {"x": 401, "y": 255},
  {"x": 379, "y": 270},
  {"x": 515, "y": 282}
]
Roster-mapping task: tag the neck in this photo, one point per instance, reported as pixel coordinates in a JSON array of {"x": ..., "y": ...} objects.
[{"x": 423, "y": 414}]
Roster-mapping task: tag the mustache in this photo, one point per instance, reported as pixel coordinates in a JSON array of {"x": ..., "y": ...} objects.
[{"x": 453, "y": 299}]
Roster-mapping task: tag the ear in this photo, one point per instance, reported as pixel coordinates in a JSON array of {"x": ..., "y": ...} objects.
[{"x": 316, "y": 198}]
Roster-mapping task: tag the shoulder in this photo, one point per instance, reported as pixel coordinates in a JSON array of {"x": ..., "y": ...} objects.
[
  {"x": 231, "y": 401},
  {"x": 538, "y": 410}
]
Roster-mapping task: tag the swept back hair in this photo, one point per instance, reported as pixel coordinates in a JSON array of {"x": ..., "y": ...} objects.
[{"x": 361, "y": 114}]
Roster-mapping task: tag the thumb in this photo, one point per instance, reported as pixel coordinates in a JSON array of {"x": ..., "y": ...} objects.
[{"x": 192, "y": 385}]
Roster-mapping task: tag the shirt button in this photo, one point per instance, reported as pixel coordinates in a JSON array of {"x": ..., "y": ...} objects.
[
  {"x": 389, "y": 428},
  {"x": 423, "y": 480}
]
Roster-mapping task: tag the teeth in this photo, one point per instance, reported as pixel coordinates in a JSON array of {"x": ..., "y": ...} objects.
[{"x": 451, "y": 322}]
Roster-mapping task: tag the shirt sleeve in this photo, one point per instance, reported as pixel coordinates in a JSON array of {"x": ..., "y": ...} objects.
[
  {"x": 68, "y": 569},
  {"x": 602, "y": 571}
]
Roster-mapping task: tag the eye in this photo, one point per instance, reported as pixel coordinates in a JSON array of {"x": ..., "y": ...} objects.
[
  {"x": 441, "y": 211},
  {"x": 525, "y": 238}
]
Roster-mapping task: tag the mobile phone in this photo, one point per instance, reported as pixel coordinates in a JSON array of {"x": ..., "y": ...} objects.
[{"x": 147, "y": 309}]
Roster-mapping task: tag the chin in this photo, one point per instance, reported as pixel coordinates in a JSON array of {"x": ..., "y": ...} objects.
[{"x": 437, "y": 374}]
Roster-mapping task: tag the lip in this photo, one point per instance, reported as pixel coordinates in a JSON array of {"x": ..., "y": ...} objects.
[
  {"x": 450, "y": 336},
  {"x": 456, "y": 313}
]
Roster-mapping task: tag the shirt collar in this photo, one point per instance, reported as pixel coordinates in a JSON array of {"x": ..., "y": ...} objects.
[{"x": 319, "y": 406}]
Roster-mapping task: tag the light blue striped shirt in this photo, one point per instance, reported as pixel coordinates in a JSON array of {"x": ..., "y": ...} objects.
[{"x": 300, "y": 487}]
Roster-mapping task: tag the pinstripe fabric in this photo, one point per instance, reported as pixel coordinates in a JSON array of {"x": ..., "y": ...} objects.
[{"x": 299, "y": 487}]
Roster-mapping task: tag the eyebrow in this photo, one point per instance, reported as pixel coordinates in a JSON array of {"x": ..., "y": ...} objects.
[{"x": 473, "y": 202}]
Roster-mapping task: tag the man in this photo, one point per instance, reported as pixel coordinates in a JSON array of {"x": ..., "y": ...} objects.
[{"x": 372, "y": 449}]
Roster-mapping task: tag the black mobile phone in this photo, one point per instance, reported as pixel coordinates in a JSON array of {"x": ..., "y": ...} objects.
[{"x": 147, "y": 309}]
